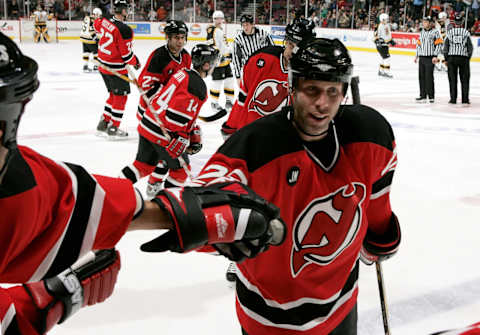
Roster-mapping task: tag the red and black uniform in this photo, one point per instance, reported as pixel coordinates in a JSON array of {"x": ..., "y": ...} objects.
[
  {"x": 263, "y": 88},
  {"x": 329, "y": 192},
  {"x": 176, "y": 106},
  {"x": 52, "y": 213},
  {"x": 115, "y": 51},
  {"x": 160, "y": 66}
]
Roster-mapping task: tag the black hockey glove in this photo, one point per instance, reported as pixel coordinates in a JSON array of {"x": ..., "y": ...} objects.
[
  {"x": 392, "y": 42},
  {"x": 137, "y": 64},
  {"x": 88, "y": 283},
  {"x": 377, "y": 248},
  {"x": 195, "y": 141},
  {"x": 380, "y": 42},
  {"x": 219, "y": 214}
]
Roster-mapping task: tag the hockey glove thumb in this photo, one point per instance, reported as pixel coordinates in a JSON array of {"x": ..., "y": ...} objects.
[
  {"x": 86, "y": 283},
  {"x": 219, "y": 214},
  {"x": 377, "y": 248},
  {"x": 195, "y": 141}
]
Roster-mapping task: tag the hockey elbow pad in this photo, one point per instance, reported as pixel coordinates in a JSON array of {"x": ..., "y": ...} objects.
[
  {"x": 90, "y": 282},
  {"x": 377, "y": 248},
  {"x": 221, "y": 213}
]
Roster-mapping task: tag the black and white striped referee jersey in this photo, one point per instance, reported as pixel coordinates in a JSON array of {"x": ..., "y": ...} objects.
[
  {"x": 458, "y": 43},
  {"x": 429, "y": 43},
  {"x": 245, "y": 45}
]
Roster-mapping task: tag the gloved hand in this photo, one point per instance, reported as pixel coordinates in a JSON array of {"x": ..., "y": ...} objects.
[
  {"x": 195, "y": 141},
  {"x": 88, "y": 283},
  {"x": 229, "y": 215},
  {"x": 178, "y": 144},
  {"x": 377, "y": 248}
]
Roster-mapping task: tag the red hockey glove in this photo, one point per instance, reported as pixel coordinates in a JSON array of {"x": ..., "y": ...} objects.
[
  {"x": 177, "y": 145},
  {"x": 377, "y": 248},
  {"x": 87, "y": 284},
  {"x": 219, "y": 214},
  {"x": 195, "y": 141}
]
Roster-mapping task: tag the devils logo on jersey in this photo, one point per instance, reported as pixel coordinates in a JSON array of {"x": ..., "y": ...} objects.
[
  {"x": 326, "y": 227},
  {"x": 269, "y": 97}
]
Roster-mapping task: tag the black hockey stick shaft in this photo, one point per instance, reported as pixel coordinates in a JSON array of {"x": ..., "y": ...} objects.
[
  {"x": 355, "y": 88},
  {"x": 383, "y": 300}
]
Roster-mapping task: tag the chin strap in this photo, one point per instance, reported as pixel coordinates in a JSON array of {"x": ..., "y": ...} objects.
[{"x": 5, "y": 165}]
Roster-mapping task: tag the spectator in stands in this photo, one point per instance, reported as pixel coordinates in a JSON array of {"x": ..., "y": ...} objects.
[
  {"x": 161, "y": 13},
  {"x": 152, "y": 15},
  {"x": 13, "y": 9}
]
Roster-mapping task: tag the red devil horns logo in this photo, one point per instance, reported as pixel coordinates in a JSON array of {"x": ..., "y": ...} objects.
[
  {"x": 269, "y": 97},
  {"x": 326, "y": 227}
]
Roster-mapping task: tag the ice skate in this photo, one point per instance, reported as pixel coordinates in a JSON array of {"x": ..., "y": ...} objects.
[
  {"x": 102, "y": 127},
  {"x": 153, "y": 189},
  {"x": 115, "y": 133}
]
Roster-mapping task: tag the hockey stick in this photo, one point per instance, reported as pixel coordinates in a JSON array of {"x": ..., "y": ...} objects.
[
  {"x": 383, "y": 300},
  {"x": 355, "y": 90},
  {"x": 218, "y": 115},
  {"x": 114, "y": 72}
]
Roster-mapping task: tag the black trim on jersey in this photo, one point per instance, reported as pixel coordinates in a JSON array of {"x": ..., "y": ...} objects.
[
  {"x": 162, "y": 57},
  {"x": 176, "y": 117},
  {"x": 360, "y": 123},
  {"x": 241, "y": 97},
  {"x": 125, "y": 30},
  {"x": 18, "y": 178},
  {"x": 73, "y": 239},
  {"x": 13, "y": 328},
  {"x": 152, "y": 126},
  {"x": 383, "y": 182},
  {"x": 196, "y": 85},
  {"x": 297, "y": 316},
  {"x": 274, "y": 50}
]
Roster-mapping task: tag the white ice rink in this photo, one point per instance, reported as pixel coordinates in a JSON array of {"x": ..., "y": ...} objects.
[{"x": 433, "y": 283}]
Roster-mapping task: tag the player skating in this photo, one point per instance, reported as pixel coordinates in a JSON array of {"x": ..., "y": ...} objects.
[
  {"x": 222, "y": 75},
  {"x": 175, "y": 108},
  {"x": 161, "y": 65},
  {"x": 89, "y": 39},
  {"x": 115, "y": 52},
  {"x": 264, "y": 85},
  {"x": 309, "y": 160},
  {"x": 382, "y": 39}
]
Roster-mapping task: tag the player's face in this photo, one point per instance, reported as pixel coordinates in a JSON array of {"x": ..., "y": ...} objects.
[
  {"x": 426, "y": 24},
  {"x": 176, "y": 42},
  {"x": 247, "y": 28},
  {"x": 316, "y": 103},
  {"x": 218, "y": 21}
]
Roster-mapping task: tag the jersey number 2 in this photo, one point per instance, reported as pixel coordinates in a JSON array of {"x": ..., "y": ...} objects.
[{"x": 104, "y": 45}]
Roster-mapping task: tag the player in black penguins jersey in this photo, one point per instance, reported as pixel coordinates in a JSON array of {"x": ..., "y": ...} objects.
[{"x": 311, "y": 164}]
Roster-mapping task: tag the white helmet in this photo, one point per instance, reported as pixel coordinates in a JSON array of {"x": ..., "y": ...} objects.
[
  {"x": 383, "y": 17},
  {"x": 442, "y": 16},
  {"x": 97, "y": 12},
  {"x": 218, "y": 14}
]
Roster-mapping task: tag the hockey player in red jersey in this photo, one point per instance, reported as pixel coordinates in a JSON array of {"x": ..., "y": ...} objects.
[
  {"x": 264, "y": 84},
  {"x": 176, "y": 107},
  {"x": 329, "y": 168},
  {"x": 52, "y": 213},
  {"x": 115, "y": 52},
  {"x": 161, "y": 65}
]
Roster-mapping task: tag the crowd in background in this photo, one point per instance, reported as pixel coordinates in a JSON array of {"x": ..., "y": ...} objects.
[{"x": 405, "y": 15}]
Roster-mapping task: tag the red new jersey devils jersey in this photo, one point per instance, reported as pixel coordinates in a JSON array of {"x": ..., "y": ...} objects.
[
  {"x": 160, "y": 67},
  {"x": 328, "y": 193},
  {"x": 115, "y": 45},
  {"x": 176, "y": 106},
  {"x": 263, "y": 88},
  {"x": 52, "y": 213}
]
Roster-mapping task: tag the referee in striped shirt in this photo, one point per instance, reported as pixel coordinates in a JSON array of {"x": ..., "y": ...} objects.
[
  {"x": 428, "y": 48},
  {"x": 458, "y": 50},
  {"x": 247, "y": 42}
]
